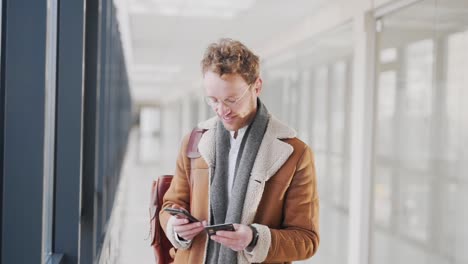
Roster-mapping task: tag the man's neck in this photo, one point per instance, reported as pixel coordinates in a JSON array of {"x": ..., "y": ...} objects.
[{"x": 240, "y": 131}]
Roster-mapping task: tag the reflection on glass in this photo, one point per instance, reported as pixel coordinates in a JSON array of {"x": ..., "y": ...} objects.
[
  {"x": 416, "y": 104},
  {"x": 149, "y": 135},
  {"x": 335, "y": 180},
  {"x": 386, "y": 113},
  {"x": 413, "y": 211},
  {"x": 388, "y": 55},
  {"x": 293, "y": 103},
  {"x": 420, "y": 182},
  {"x": 387, "y": 92},
  {"x": 304, "y": 104},
  {"x": 338, "y": 107},
  {"x": 457, "y": 65},
  {"x": 312, "y": 90},
  {"x": 319, "y": 109},
  {"x": 456, "y": 154},
  {"x": 383, "y": 197},
  {"x": 419, "y": 62},
  {"x": 320, "y": 168}
]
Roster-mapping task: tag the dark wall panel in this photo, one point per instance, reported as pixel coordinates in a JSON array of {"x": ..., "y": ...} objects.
[
  {"x": 23, "y": 80},
  {"x": 70, "y": 87}
]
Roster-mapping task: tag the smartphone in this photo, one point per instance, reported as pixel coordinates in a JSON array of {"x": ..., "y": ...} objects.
[
  {"x": 211, "y": 230},
  {"x": 183, "y": 213}
]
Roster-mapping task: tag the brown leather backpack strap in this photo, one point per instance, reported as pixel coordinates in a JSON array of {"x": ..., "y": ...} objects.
[
  {"x": 193, "y": 153},
  {"x": 161, "y": 245},
  {"x": 192, "y": 148}
]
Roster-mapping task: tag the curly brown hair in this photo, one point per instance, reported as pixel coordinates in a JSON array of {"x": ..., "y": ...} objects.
[{"x": 229, "y": 56}]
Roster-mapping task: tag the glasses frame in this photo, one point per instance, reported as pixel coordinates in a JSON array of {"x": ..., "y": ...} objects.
[{"x": 209, "y": 100}]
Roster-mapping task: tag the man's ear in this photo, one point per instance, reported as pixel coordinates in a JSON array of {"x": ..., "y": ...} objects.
[{"x": 258, "y": 86}]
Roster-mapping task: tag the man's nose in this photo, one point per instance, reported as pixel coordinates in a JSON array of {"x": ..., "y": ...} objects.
[{"x": 222, "y": 109}]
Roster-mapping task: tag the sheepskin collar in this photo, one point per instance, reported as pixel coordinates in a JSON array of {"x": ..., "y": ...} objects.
[{"x": 272, "y": 154}]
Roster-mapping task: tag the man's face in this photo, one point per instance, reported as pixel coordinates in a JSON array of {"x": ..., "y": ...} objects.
[{"x": 233, "y": 100}]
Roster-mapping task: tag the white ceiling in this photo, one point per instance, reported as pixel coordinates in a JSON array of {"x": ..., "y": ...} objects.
[{"x": 164, "y": 40}]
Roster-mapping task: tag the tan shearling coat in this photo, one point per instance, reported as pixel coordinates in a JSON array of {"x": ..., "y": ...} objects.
[{"x": 281, "y": 200}]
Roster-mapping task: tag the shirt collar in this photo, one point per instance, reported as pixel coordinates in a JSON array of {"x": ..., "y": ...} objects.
[{"x": 240, "y": 133}]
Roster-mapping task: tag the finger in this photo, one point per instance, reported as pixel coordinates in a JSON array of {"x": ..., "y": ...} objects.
[
  {"x": 179, "y": 221},
  {"x": 187, "y": 227},
  {"x": 190, "y": 234},
  {"x": 228, "y": 234},
  {"x": 232, "y": 244},
  {"x": 223, "y": 240}
]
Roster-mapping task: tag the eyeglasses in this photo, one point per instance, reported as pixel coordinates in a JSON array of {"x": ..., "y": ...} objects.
[{"x": 229, "y": 102}]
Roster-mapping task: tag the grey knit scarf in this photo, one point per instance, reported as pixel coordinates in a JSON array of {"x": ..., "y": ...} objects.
[{"x": 221, "y": 211}]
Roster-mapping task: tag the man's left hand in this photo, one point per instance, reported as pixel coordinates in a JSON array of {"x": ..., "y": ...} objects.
[{"x": 236, "y": 240}]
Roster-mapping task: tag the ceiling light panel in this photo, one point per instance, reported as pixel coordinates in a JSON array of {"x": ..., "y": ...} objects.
[{"x": 226, "y": 9}]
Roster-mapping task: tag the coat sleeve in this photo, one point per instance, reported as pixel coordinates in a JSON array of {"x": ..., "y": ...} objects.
[
  {"x": 299, "y": 236},
  {"x": 178, "y": 194}
]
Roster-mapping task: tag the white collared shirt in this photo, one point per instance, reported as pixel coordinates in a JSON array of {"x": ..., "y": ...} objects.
[{"x": 233, "y": 153}]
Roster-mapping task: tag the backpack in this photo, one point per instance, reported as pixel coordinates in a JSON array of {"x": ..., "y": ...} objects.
[
  {"x": 159, "y": 241},
  {"x": 161, "y": 245}
]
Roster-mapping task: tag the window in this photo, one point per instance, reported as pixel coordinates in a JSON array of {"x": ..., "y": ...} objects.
[
  {"x": 49, "y": 133},
  {"x": 420, "y": 183},
  {"x": 311, "y": 90}
]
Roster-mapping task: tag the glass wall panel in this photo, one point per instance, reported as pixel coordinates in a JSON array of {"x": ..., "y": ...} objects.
[
  {"x": 420, "y": 152},
  {"x": 171, "y": 132},
  {"x": 309, "y": 88},
  {"x": 304, "y": 104},
  {"x": 49, "y": 133},
  {"x": 320, "y": 109},
  {"x": 149, "y": 135},
  {"x": 194, "y": 110},
  {"x": 1, "y": 34}
]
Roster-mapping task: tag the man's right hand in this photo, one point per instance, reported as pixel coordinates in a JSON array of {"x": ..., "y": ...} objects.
[{"x": 187, "y": 230}]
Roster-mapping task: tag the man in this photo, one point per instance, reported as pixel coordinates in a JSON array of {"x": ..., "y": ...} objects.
[{"x": 252, "y": 172}]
